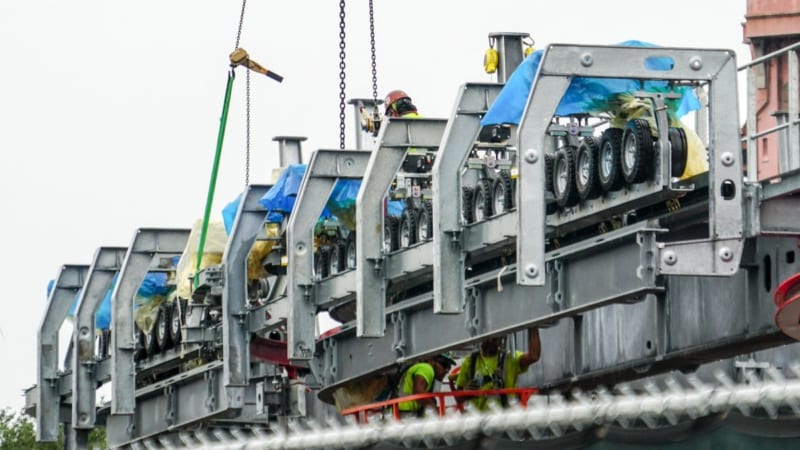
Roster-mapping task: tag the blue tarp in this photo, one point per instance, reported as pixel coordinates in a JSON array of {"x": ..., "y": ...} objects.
[
  {"x": 583, "y": 94},
  {"x": 155, "y": 283}
]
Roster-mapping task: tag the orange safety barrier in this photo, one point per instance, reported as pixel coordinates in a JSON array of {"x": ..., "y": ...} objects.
[{"x": 360, "y": 413}]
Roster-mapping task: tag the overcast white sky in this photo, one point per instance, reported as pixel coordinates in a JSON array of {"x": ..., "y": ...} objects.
[{"x": 109, "y": 111}]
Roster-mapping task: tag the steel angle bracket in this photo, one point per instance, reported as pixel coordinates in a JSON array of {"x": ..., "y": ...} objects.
[
  {"x": 324, "y": 170},
  {"x": 394, "y": 140}
]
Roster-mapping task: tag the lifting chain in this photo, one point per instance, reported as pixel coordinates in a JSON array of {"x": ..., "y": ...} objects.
[
  {"x": 341, "y": 74},
  {"x": 247, "y": 102},
  {"x": 374, "y": 61}
]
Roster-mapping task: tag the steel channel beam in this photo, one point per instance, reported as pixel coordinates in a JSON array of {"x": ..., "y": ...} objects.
[
  {"x": 394, "y": 140},
  {"x": 324, "y": 170},
  {"x": 193, "y": 397},
  {"x": 235, "y": 333},
  {"x": 426, "y": 332},
  {"x": 780, "y": 216},
  {"x": 70, "y": 281},
  {"x": 148, "y": 247},
  {"x": 462, "y": 129},
  {"x": 105, "y": 265},
  {"x": 589, "y": 334}
]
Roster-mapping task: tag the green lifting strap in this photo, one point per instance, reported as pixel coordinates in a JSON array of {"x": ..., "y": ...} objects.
[{"x": 213, "y": 181}]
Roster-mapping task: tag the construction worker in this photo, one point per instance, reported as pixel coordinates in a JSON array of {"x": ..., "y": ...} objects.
[
  {"x": 399, "y": 104},
  {"x": 492, "y": 367},
  {"x": 418, "y": 379}
]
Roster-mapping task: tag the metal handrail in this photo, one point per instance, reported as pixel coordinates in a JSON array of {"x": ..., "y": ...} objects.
[{"x": 360, "y": 412}]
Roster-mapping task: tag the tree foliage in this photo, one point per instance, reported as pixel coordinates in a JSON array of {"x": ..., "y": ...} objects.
[{"x": 18, "y": 432}]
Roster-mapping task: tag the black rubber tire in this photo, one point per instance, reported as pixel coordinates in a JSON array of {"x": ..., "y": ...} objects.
[
  {"x": 466, "y": 204},
  {"x": 350, "y": 257},
  {"x": 425, "y": 222},
  {"x": 680, "y": 151},
  {"x": 502, "y": 193},
  {"x": 162, "y": 326},
  {"x": 482, "y": 200},
  {"x": 178, "y": 317},
  {"x": 564, "y": 188},
  {"x": 139, "y": 353},
  {"x": 390, "y": 226},
  {"x": 322, "y": 262},
  {"x": 150, "y": 341},
  {"x": 636, "y": 158},
  {"x": 609, "y": 169},
  {"x": 102, "y": 342},
  {"x": 586, "y": 179},
  {"x": 548, "y": 172},
  {"x": 407, "y": 233},
  {"x": 336, "y": 263}
]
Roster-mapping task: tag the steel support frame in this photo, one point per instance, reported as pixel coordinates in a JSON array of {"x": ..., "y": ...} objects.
[
  {"x": 105, "y": 265},
  {"x": 629, "y": 274},
  {"x": 395, "y": 138},
  {"x": 190, "y": 398},
  {"x": 235, "y": 327},
  {"x": 472, "y": 102},
  {"x": 70, "y": 281},
  {"x": 148, "y": 247},
  {"x": 718, "y": 255},
  {"x": 324, "y": 170},
  {"x": 601, "y": 319}
]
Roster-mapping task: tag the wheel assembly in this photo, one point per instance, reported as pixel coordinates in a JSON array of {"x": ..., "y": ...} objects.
[
  {"x": 466, "y": 204},
  {"x": 177, "y": 318},
  {"x": 139, "y": 353},
  {"x": 564, "y": 188},
  {"x": 425, "y": 222},
  {"x": 586, "y": 179},
  {"x": 390, "y": 226},
  {"x": 679, "y": 150},
  {"x": 407, "y": 233},
  {"x": 336, "y": 263},
  {"x": 548, "y": 172},
  {"x": 609, "y": 169},
  {"x": 502, "y": 194},
  {"x": 163, "y": 324},
  {"x": 637, "y": 151},
  {"x": 150, "y": 341},
  {"x": 350, "y": 251},
  {"x": 482, "y": 200},
  {"x": 322, "y": 262}
]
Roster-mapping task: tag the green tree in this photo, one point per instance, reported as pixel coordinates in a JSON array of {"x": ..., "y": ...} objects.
[{"x": 17, "y": 432}]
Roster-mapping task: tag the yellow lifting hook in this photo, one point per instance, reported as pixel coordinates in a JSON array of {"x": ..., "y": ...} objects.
[{"x": 239, "y": 57}]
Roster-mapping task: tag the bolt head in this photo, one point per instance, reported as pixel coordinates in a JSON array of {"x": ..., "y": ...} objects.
[
  {"x": 727, "y": 158},
  {"x": 531, "y": 270},
  {"x": 587, "y": 59},
  {"x": 669, "y": 257},
  {"x": 531, "y": 156},
  {"x": 696, "y": 63}
]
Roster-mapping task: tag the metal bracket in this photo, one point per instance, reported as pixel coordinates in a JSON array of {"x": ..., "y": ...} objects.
[
  {"x": 398, "y": 318},
  {"x": 472, "y": 316}
]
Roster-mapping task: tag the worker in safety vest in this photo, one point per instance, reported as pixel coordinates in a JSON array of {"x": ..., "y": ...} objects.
[
  {"x": 419, "y": 378},
  {"x": 492, "y": 367},
  {"x": 399, "y": 104}
]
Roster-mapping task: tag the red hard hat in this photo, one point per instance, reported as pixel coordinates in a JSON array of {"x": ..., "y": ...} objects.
[{"x": 393, "y": 97}]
